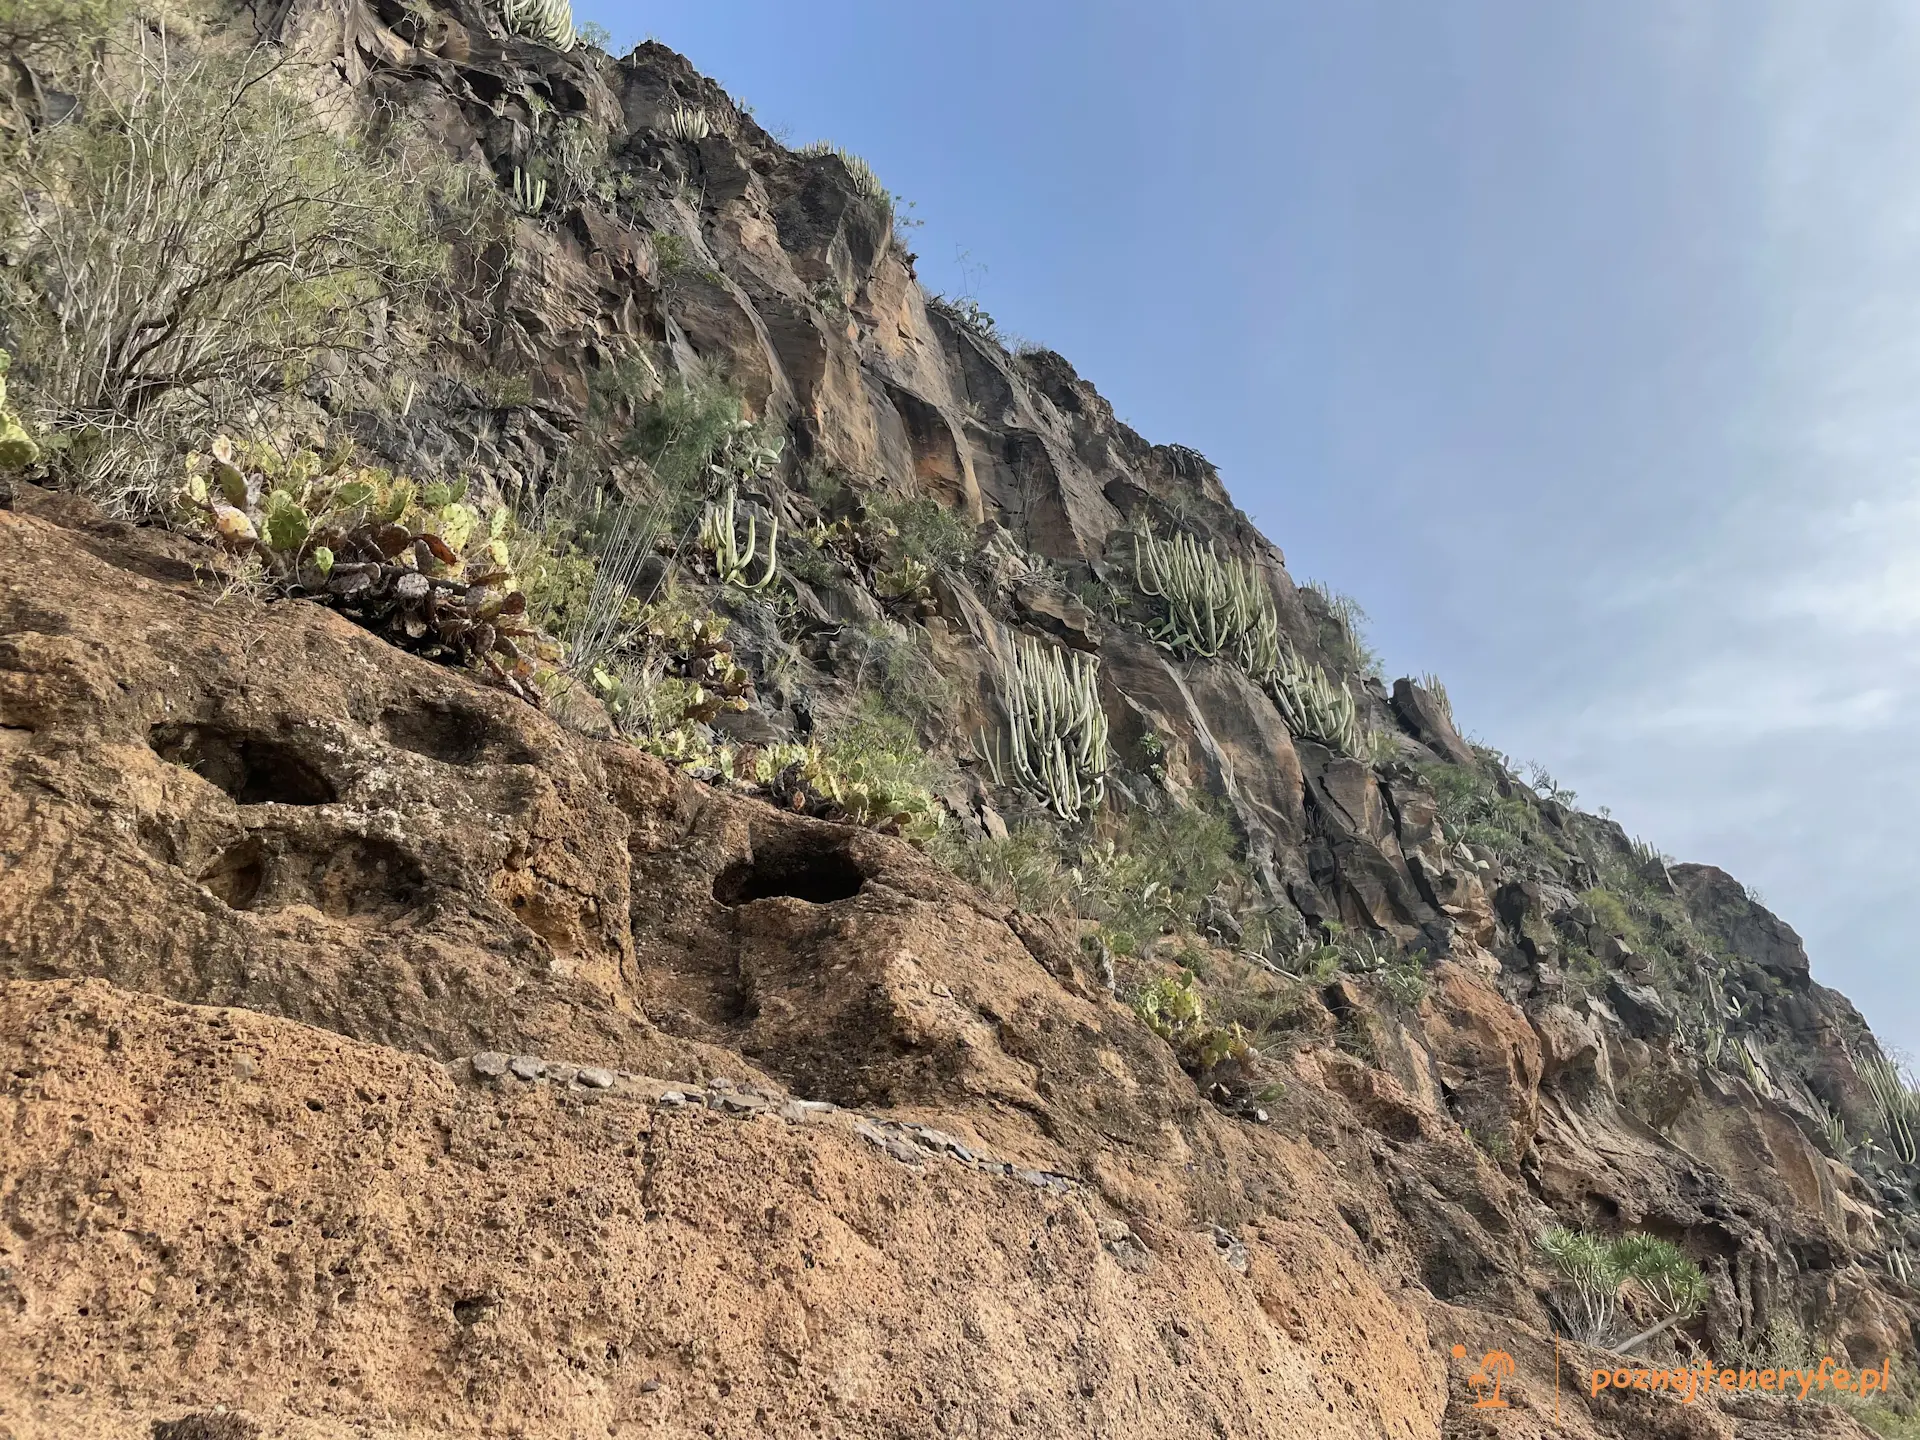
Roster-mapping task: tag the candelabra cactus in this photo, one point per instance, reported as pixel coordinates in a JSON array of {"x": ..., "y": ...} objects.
[
  {"x": 1058, "y": 749},
  {"x": 1895, "y": 1101},
  {"x": 545, "y": 22},
  {"x": 688, "y": 122},
  {"x": 529, "y": 190},
  {"x": 1213, "y": 607},
  {"x": 732, "y": 561},
  {"x": 1314, "y": 707},
  {"x": 17, "y": 448}
]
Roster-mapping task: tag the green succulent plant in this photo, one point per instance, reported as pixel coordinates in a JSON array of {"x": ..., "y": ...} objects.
[
  {"x": 1592, "y": 1274},
  {"x": 1314, "y": 706},
  {"x": 415, "y": 563},
  {"x": 529, "y": 189},
  {"x": 865, "y": 181},
  {"x": 18, "y": 449},
  {"x": 1057, "y": 726},
  {"x": 546, "y": 22},
  {"x": 811, "y": 779},
  {"x": 688, "y": 122},
  {"x": 1211, "y": 607},
  {"x": 910, "y": 582},
  {"x": 1174, "y": 1011},
  {"x": 1668, "y": 1282},
  {"x": 1896, "y": 1103},
  {"x": 733, "y": 559}
]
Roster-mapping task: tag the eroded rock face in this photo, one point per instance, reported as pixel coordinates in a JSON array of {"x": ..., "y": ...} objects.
[
  {"x": 377, "y": 1053},
  {"x": 1722, "y": 907},
  {"x": 378, "y": 1056}
]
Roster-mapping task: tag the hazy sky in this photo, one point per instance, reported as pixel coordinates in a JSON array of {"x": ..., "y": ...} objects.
[{"x": 1579, "y": 341}]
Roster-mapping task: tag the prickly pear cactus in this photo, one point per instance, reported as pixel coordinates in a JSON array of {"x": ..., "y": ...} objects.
[
  {"x": 17, "y": 448},
  {"x": 416, "y": 563}
]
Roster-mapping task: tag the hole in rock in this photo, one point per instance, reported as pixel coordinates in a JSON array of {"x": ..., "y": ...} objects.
[
  {"x": 818, "y": 876},
  {"x": 236, "y": 876},
  {"x": 252, "y": 769},
  {"x": 367, "y": 880}
]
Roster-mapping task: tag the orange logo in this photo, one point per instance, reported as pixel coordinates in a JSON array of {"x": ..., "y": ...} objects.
[{"x": 1496, "y": 1368}]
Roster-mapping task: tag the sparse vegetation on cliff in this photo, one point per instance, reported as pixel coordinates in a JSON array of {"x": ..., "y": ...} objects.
[
  {"x": 685, "y": 454},
  {"x": 193, "y": 242}
]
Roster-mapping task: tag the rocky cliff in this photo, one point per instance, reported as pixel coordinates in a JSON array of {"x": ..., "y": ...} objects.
[{"x": 385, "y": 1055}]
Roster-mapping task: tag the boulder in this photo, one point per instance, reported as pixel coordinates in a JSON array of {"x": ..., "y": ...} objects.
[
  {"x": 1420, "y": 710},
  {"x": 1642, "y": 1010},
  {"x": 1721, "y": 906}
]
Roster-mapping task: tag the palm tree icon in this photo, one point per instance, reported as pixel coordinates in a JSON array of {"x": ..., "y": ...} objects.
[{"x": 1496, "y": 1368}]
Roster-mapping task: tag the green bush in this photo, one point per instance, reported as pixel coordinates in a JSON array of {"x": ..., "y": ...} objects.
[
  {"x": 200, "y": 238},
  {"x": 1592, "y": 1274},
  {"x": 1343, "y": 632},
  {"x": 926, "y": 531},
  {"x": 694, "y": 436},
  {"x": 1174, "y": 1011},
  {"x": 1611, "y": 912},
  {"x": 1024, "y": 870},
  {"x": 18, "y": 449},
  {"x": 886, "y": 660},
  {"x": 882, "y": 745},
  {"x": 1472, "y": 809}
]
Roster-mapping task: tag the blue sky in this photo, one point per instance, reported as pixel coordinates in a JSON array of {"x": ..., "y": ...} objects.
[{"x": 1580, "y": 342}]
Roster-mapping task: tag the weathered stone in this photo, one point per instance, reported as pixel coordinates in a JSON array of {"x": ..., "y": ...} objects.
[
  {"x": 1059, "y": 614},
  {"x": 1422, "y": 713},
  {"x": 1232, "y": 1253},
  {"x": 1523, "y": 906},
  {"x": 456, "y": 870},
  {"x": 1641, "y": 1009},
  {"x": 1721, "y": 906}
]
